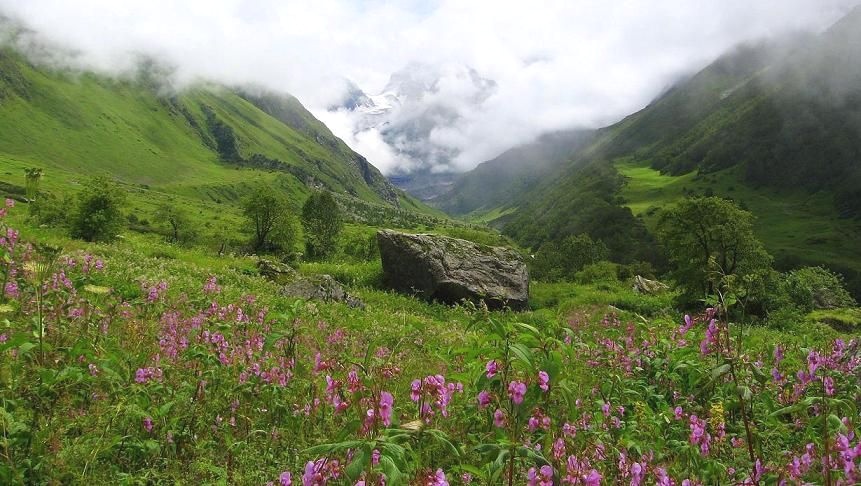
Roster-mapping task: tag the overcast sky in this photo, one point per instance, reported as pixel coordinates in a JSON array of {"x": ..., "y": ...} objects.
[{"x": 557, "y": 64}]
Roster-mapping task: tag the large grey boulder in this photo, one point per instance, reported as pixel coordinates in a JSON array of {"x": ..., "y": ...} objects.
[{"x": 451, "y": 270}]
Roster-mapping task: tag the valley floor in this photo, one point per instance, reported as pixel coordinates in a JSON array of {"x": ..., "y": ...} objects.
[{"x": 141, "y": 362}]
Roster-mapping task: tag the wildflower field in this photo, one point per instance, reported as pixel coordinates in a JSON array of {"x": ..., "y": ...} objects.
[{"x": 121, "y": 368}]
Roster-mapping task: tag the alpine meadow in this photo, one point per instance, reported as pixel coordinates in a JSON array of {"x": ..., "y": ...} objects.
[{"x": 430, "y": 243}]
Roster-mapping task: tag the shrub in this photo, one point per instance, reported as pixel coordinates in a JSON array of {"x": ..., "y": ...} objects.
[
  {"x": 600, "y": 272},
  {"x": 272, "y": 226},
  {"x": 51, "y": 210},
  {"x": 561, "y": 261},
  {"x": 811, "y": 288},
  {"x": 98, "y": 215},
  {"x": 179, "y": 227}
]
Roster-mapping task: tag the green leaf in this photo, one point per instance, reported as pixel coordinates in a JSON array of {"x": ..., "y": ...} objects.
[
  {"x": 721, "y": 370},
  {"x": 360, "y": 462},
  {"x": 391, "y": 470},
  {"x": 522, "y": 353},
  {"x": 529, "y": 328}
]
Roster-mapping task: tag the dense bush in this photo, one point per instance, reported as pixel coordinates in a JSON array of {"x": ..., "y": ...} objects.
[
  {"x": 51, "y": 210},
  {"x": 709, "y": 239},
  {"x": 812, "y": 288},
  {"x": 98, "y": 213},
  {"x": 177, "y": 224},
  {"x": 561, "y": 261},
  {"x": 599, "y": 272}
]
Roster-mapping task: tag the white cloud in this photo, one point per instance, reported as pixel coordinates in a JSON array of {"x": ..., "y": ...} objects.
[{"x": 557, "y": 63}]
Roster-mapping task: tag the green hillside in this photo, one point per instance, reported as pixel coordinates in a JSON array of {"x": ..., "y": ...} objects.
[
  {"x": 205, "y": 141},
  {"x": 491, "y": 184},
  {"x": 775, "y": 126}
]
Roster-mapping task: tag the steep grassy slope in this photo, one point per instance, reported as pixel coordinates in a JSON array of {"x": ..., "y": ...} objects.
[
  {"x": 775, "y": 126},
  {"x": 192, "y": 142},
  {"x": 516, "y": 171},
  {"x": 795, "y": 225}
]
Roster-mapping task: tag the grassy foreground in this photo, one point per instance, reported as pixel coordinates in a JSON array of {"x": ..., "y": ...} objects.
[{"x": 139, "y": 362}]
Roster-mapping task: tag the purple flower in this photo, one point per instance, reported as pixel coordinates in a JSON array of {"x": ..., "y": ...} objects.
[
  {"x": 661, "y": 477},
  {"x": 541, "y": 477},
  {"x": 499, "y": 418},
  {"x": 211, "y": 287},
  {"x": 483, "y": 398},
  {"x": 828, "y": 383},
  {"x": 516, "y": 391},
  {"x": 284, "y": 479},
  {"x": 543, "y": 381},
  {"x": 699, "y": 436},
  {"x": 605, "y": 409},
  {"x": 679, "y": 413},
  {"x": 386, "y": 402},
  {"x": 11, "y": 290},
  {"x": 491, "y": 368},
  {"x": 593, "y": 478},
  {"x": 437, "y": 479},
  {"x": 147, "y": 424}
]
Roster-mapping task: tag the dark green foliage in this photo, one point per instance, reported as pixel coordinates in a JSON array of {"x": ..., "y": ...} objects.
[
  {"x": 322, "y": 221},
  {"x": 180, "y": 228},
  {"x": 560, "y": 261},
  {"x": 50, "y": 210},
  {"x": 708, "y": 239},
  {"x": 272, "y": 227},
  {"x": 361, "y": 247},
  {"x": 518, "y": 170},
  {"x": 225, "y": 140},
  {"x": 811, "y": 288},
  {"x": 586, "y": 204},
  {"x": 599, "y": 272},
  {"x": 98, "y": 215}
]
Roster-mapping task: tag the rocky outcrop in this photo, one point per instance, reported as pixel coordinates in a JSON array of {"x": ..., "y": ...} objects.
[
  {"x": 320, "y": 287},
  {"x": 648, "y": 287},
  {"x": 451, "y": 270},
  {"x": 277, "y": 272}
]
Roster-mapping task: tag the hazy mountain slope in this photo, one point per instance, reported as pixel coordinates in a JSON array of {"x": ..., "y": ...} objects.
[
  {"x": 493, "y": 183},
  {"x": 774, "y": 126},
  {"x": 197, "y": 137}
]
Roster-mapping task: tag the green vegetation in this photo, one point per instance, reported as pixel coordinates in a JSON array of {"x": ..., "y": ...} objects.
[
  {"x": 322, "y": 221},
  {"x": 163, "y": 363},
  {"x": 273, "y": 228},
  {"x": 141, "y": 345},
  {"x": 710, "y": 239},
  {"x": 98, "y": 215},
  {"x": 773, "y": 126},
  {"x": 554, "y": 262}
]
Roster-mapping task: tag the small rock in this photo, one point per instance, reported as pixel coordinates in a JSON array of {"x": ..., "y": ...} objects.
[
  {"x": 321, "y": 287},
  {"x": 648, "y": 287},
  {"x": 279, "y": 273}
]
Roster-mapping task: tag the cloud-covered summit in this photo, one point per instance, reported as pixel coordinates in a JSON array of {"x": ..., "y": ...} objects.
[{"x": 556, "y": 64}]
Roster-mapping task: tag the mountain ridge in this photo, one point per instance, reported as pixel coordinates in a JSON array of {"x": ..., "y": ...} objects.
[{"x": 129, "y": 129}]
